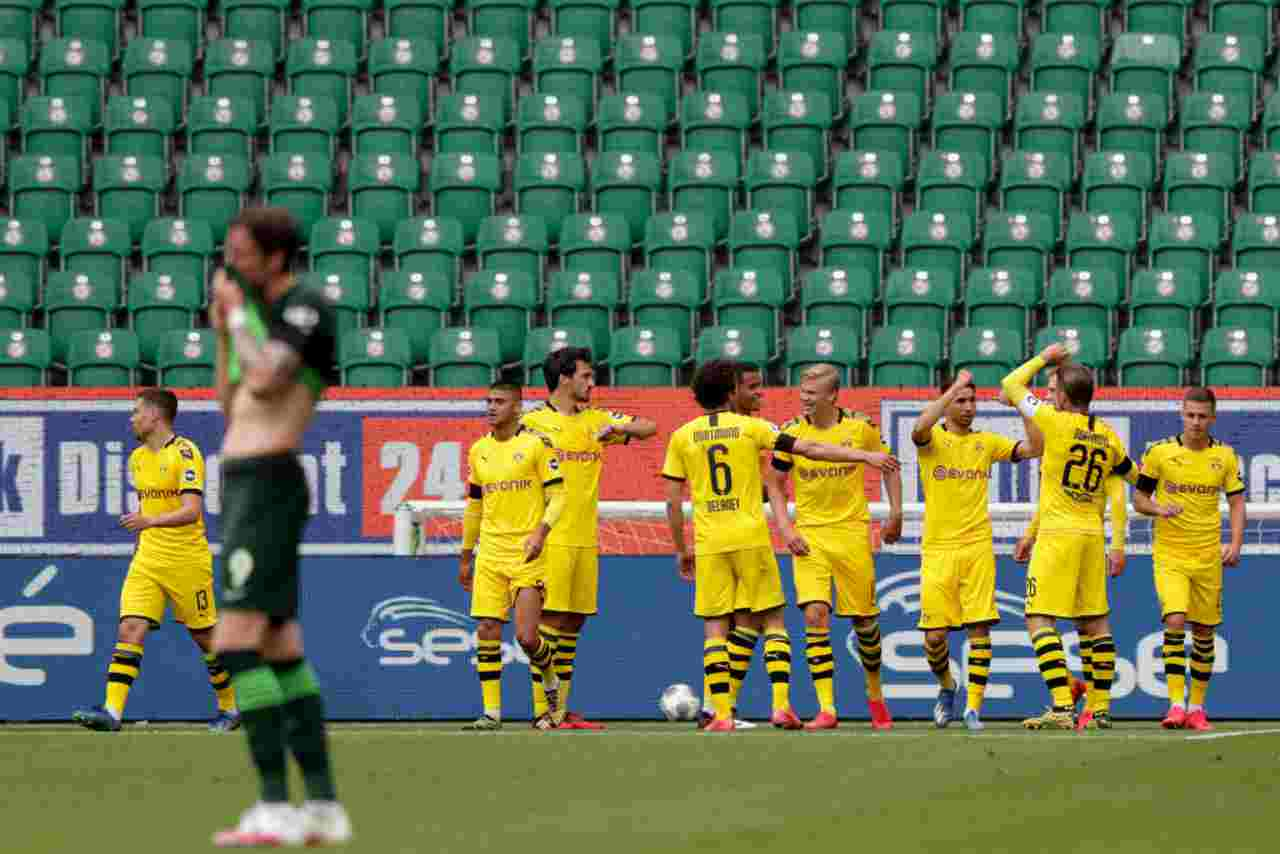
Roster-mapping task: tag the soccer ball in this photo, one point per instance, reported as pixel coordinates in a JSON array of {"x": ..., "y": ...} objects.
[{"x": 679, "y": 703}]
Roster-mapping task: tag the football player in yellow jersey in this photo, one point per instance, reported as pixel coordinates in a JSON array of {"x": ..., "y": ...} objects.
[
  {"x": 515, "y": 497},
  {"x": 1067, "y": 578},
  {"x": 1118, "y": 503},
  {"x": 958, "y": 561},
  {"x": 831, "y": 539},
  {"x": 580, "y": 434},
  {"x": 718, "y": 454},
  {"x": 172, "y": 565},
  {"x": 1179, "y": 484}
]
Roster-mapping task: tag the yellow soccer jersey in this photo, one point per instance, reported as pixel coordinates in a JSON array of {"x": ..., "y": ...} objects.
[
  {"x": 719, "y": 456},
  {"x": 510, "y": 478},
  {"x": 581, "y": 458},
  {"x": 955, "y": 472},
  {"x": 1080, "y": 451},
  {"x": 1175, "y": 474},
  {"x": 830, "y": 493},
  {"x": 161, "y": 478}
]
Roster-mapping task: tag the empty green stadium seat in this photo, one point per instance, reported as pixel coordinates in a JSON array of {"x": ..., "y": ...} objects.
[
  {"x": 632, "y": 122},
  {"x": 887, "y": 122},
  {"x": 382, "y": 188},
  {"x": 1119, "y": 183},
  {"x": 839, "y": 298},
  {"x": 986, "y": 60},
  {"x": 43, "y": 190},
  {"x": 405, "y": 68},
  {"x": 181, "y": 248},
  {"x": 430, "y": 245},
  {"x": 627, "y": 185},
  {"x": 746, "y": 344},
  {"x": 987, "y": 353},
  {"x": 159, "y": 305},
  {"x": 128, "y": 189},
  {"x": 682, "y": 243},
  {"x": 743, "y": 297},
  {"x": 1214, "y": 124},
  {"x": 1037, "y": 182},
  {"x": 1050, "y": 123},
  {"x": 418, "y": 305},
  {"x": 323, "y": 68},
  {"x": 870, "y": 181},
  {"x": 1166, "y": 299},
  {"x": 715, "y": 121},
  {"x": 545, "y": 340},
  {"x": 937, "y": 241},
  {"x": 1101, "y": 241},
  {"x": 801, "y": 122},
  {"x": 550, "y": 185},
  {"x": 857, "y": 241},
  {"x": 301, "y": 183},
  {"x": 732, "y": 62},
  {"x": 1236, "y": 356},
  {"x": 705, "y": 182},
  {"x": 239, "y": 68},
  {"x": 902, "y": 62},
  {"x": 374, "y": 358},
  {"x": 1085, "y": 298},
  {"x": 347, "y": 246},
  {"x": 142, "y": 127},
  {"x": 823, "y": 345},
  {"x": 663, "y": 299},
  {"x": 19, "y": 296},
  {"x": 213, "y": 189},
  {"x": 969, "y": 122},
  {"x": 550, "y": 124},
  {"x": 220, "y": 125},
  {"x": 1001, "y": 298},
  {"x": 160, "y": 68},
  {"x": 262, "y": 20},
  {"x": 107, "y": 357},
  {"x": 464, "y": 358},
  {"x": 920, "y": 298},
  {"x": 185, "y": 358},
  {"x": 385, "y": 124},
  {"x": 469, "y": 123},
  {"x": 1154, "y": 358},
  {"x": 1199, "y": 184},
  {"x": 569, "y": 67},
  {"x": 513, "y": 244},
  {"x": 585, "y": 301},
  {"x": 304, "y": 125},
  {"x": 1247, "y": 298},
  {"x": 1019, "y": 241},
  {"x": 486, "y": 66},
  {"x": 1188, "y": 244},
  {"x": 784, "y": 181},
  {"x": 902, "y": 356},
  {"x": 640, "y": 356},
  {"x": 505, "y": 303},
  {"x": 99, "y": 248},
  {"x": 464, "y": 188},
  {"x": 24, "y": 248},
  {"x": 765, "y": 241},
  {"x": 25, "y": 358}
]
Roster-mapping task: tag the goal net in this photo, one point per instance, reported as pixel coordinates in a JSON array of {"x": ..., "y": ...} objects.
[{"x": 640, "y": 528}]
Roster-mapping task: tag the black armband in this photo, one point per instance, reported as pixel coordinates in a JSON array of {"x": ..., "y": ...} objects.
[
  {"x": 782, "y": 465},
  {"x": 785, "y": 443},
  {"x": 1122, "y": 468},
  {"x": 474, "y": 491},
  {"x": 1146, "y": 484}
]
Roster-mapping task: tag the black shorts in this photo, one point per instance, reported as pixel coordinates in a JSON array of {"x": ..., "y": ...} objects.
[{"x": 264, "y": 510}]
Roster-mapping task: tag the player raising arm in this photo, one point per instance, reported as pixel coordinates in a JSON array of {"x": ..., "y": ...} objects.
[
  {"x": 1179, "y": 484},
  {"x": 958, "y": 561},
  {"x": 172, "y": 564},
  {"x": 831, "y": 539},
  {"x": 718, "y": 455},
  {"x": 515, "y": 497},
  {"x": 1067, "y": 578}
]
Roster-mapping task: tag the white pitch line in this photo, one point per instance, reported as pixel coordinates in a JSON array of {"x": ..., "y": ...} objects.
[{"x": 1214, "y": 735}]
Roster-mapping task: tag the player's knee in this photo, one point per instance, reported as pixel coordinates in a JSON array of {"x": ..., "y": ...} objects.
[
  {"x": 528, "y": 638},
  {"x": 1202, "y": 633},
  {"x": 133, "y": 630},
  {"x": 817, "y": 615},
  {"x": 935, "y": 638},
  {"x": 1176, "y": 622},
  {"x": 489, "y": 630},
  {"x": 774, "y": 619}
]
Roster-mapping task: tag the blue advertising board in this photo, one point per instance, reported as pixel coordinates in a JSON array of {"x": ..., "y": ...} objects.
[{"x": 391, "y": 639}]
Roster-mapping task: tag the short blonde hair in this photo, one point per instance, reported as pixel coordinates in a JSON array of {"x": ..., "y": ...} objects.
[{"x": 821, "y": 372}]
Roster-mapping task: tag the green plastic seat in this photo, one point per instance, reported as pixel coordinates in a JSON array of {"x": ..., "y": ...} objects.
[
  {"x": 381, "y": 188},
  {"x": 745, "y": 344},
  {"x": 185, "y": 358},
  {"x": 506, "y": 20},
  {"x": 626, "y": 185},
  {"x": 587, "y": 20},
  {"x": 827, "y": 16},
  {"x": 903, "y": 356},
  {"x": 683, "y": 243},
  {"x": 301, "y": 183},
  {"x": 43, "y": 190},
  {"x": 986, "y": 61},
  {"x": 1264, "y": 182},
  {"x": 921, "y": 16},
  {"x": 952, "y": 182},
  {"x": 431, "y": 245},
  {"x": 1236, "y": 356},
  {"x": 339, "y": 20},
  {"x": 936, "y": 240},
  {"x": 348, "y": 297},
  {"x": 641, "y": 356},
  {"x": 1132, "y": 122},
  {"x": 1003, "y": 18},
  {"x": 570, "y": 67},
  {"x": 1102, "y": 242},
  {"x": 886, "y": 122},
  {"x": 159, "y": 305},
  {"x": 176, "y": 20},
  {"x": 986, "y": 352},
  {"x": 1023, "y": 241},
  {"x": 705, "y": 182},
  {"x": 676, "y": 19},
  {"x": 374, "y": 358},
  {"x": 24, "y": 248},
  {"x": 595, "y": 243},
  {"x": 856, "y": 241},
  {"x": 1146, "y": 63},
  {"x": 814, "y": 62},
  {"x": 781, "y": 180},
  {"x": 1188, "y": 244},
  {"x": 99, "y": 20},
  {"x": 160, "y": 68},
  {"x": 715, "y": 121},
  {"x": 464, "y": 187},
  {"x": 650, "y": 65},
  {"x": 213, "y": 189},
  {"x": 405, "y": 68},
  {"x": 74, "y": 303},
  {"x": 801, "y": 122},
  {"x": 513, "y": 244},
  {"x": 242, "y": 69},
  {"x": 1199, "y": 184},
  {"x": 585, "y": 301},
  {"x": 99, "y": 248},
  {"x": 18, "y": 22},
  {"x": 1119, "y": 183},
  {"x": 1086, "y": 344},
  {"x": 1000, "y": 298},
  {"x": 77, "y": 68},
  {"x": 58, "y": 127},
  {"x": 1254, "y": 242},
  {"x": 15, "y": 64},
  {"x": 1036, "y": 182},
  {"x": 666, "y": 299},
  {"x": 419, "y": 19},
  {"x": 733, "y": 63},
  {"x": 751, "y": 298},
  {"x": 468, "y": 124},
  {"x": 504, "y": 302},
  {"x": 543, "y": 341},
  {"x": 346, "y": 246},
  {"x": 1247, "y": 298},
  {"x": 418, "y": 305},
  {"x": 1084, "y": 298},
  {"x": 1166, "y": 17},
  {"x": 323, "y": 68},
  {"x": 839, "y": 298},
  {"x": 486, "y": 66},
  {"x": 19, "y": 296},
  {"x": 902, "y": 62},
  {"x": 1050, "y": 123},
  {"x": 822, "y": 345},
  {"x": 142, "y": 127},
  {"x": 1066, "y": 63},
  {"x": 632, "y": 122},
  {"x": 103, "y": 358},
  {"x": 550, "y": 185},
  {"x": 259, "y": 20},
  {"x": 181, "y": 248},
  {"x": 385, "y": 124},
  {"x": 1166, "y": 299},
  {"x": 871, "y": 181},
  {"x": 919, "y": 297},
  {"x": 765, "y": 241},
  {"x": 304, "y": 125},
  {"x": 220, "y": 125},
  {"x": 1229, "y": 64},
  {"x": 969, "y": 122},
  {"x": 1153, "y": 358},
  {"x": 25, "y": 358},
  {"x": 1214, "y": 124},
  {"x": 464, "y": 358},
  {"x": 749, "y": 17},
  {"x": 550, "y": 124}
]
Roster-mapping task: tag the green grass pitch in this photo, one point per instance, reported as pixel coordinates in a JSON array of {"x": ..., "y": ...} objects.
[{"x": 665, "y": 788}]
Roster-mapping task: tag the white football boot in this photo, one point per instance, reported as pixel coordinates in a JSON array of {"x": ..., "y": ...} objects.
[
  {"x": 264, "y": 825},
  {"x": 325, "y": 823}
]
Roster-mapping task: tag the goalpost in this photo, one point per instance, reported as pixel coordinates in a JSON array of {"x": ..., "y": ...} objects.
[{"x": 640, "y": 528}]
